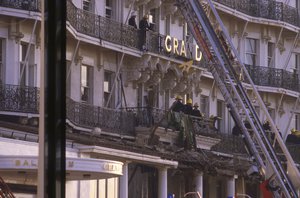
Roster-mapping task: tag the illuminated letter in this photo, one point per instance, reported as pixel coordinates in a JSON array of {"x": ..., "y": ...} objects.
[
  {"x": 175, "y": 46},
  {"x": 168, "y": 43},
  {"x": 182, "y": 50},
  {"x": 198, "y": 57}
]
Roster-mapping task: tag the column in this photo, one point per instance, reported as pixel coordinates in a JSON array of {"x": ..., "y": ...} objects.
[
  {"x": 162, "y": 183},
  {"x": 230, "y": 187},
  {"x": 124, "y": 181},
  {"x": 199, "y": 182}
]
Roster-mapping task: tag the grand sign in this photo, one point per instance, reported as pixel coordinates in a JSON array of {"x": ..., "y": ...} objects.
[{"x": 180, "y": 48}]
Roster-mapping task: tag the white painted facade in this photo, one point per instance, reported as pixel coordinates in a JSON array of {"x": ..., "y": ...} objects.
[{"x": 99, "y": 60}]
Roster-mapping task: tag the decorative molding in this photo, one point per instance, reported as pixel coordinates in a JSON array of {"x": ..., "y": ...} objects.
[{"x": 78, "y": 59}]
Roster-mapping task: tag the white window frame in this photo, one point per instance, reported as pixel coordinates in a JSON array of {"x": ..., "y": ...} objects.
[{"x": 253, "y": 53}]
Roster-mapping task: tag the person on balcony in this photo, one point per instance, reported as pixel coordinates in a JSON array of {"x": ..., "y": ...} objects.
[
  {"x": 144, "y": 27},
  {"x": 177, "y": 105},
  {"x": 188, "y": 108},
  {"x": 236, "y": 131},
  {"x": 132, "y": 20},
  {"x": 196, "y": 112}
]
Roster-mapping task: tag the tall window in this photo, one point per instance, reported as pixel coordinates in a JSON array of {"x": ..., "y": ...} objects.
[
  {"x": 28, "y": 73},
  {"x": 204, "y": 105},
  {"x": 108, "y": 9},
  {"x": 68, "y": 79},
  {"x": 108, "y": 95},
  {"x": 271, "y": 47},
  {"x": 86, "y": 5},
  {"x": 168, "y": 24},
  {"x": 251, "y": 51},
  {"x": 152, "y": 20},
  {"x": 86, "y": 84},
  {"x": 297, "y": 121},
  {"x": 1, "y": 62},
  {"x": 221, "y": 114},
  {"x": 297, "y": 64}
]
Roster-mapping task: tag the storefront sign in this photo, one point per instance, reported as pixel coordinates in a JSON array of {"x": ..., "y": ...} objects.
[{"x": 180, "y": 48}]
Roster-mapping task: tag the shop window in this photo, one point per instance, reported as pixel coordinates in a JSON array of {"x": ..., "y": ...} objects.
[
  {"x": 251, "y": 51},
  {"x": 86, "y": 84}
]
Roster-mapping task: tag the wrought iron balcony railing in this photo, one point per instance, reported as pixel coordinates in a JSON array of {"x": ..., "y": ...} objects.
[
  {"x": 23, "y": 99},
  {"x": 111, "y": 120},
  {"x": 269, "y": 9},
  {"x": 29, "y": 5},
  {"x": 272, "y": 77}
]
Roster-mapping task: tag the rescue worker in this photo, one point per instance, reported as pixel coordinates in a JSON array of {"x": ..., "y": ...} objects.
[
  {"x": 293, "y": 137},
  {"x": 177, "y": 105},
  {"x": 132, "y": 21},
  {"x": 188, "y": 107},
  {"x": 196, "y": 112}
]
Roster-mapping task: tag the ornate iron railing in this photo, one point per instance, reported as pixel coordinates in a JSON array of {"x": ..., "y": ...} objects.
[
  {"x": 269, "y": 9},
  {"x": 30, "y": 5},
  {"x": 101, "y": 27},
  {"x": 272, "y": 77},
  {"x": 111, "y": 120},
  {"x": 16, "y": 98}
]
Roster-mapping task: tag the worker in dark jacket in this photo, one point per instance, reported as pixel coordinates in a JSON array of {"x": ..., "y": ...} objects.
[
  {"x": 132, "y": 21},
  {"x": 188, "y": 108},
  {"x": 196, "y": 112},
  {"x": 144, "y": 27},
  {"x": 177, "y": 105}
]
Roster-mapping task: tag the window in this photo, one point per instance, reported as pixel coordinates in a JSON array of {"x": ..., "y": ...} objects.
[
  {"x": 187, "y": 34},
  {"x": 28, "y": 71},
  {"x": 1, "y": 62},
  {"x": 68, "y": 79},
  {"x": 152, "y": 20},
  {"x": 106, "y": 188},
  {"x": 221, "y": 114},
  {"x": 271, "y": 48},
  {"x": 251, "y": 51},
  {"x": 86, "y": 5},
  {"x": 297, "y": 63},
  {"x": 168, "y": 24},
  {"x": 297, "y": 121},
  {"x": 108, "y": 9},
  {"x": 108, "y": 95},
  {"x": 204, "y": 105},
  {"x": 86, "y": 83}
]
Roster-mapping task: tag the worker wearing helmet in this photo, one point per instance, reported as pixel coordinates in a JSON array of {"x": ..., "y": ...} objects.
[
  {"x": 188, "y": 107},
  {"x": 177, "y": 105},
  {"x": 196, "y": 111}
]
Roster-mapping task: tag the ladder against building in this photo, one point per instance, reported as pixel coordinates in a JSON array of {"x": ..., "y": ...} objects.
[
  {"x": 226, "y": 68},
  {"x": 5, "y": 192}
]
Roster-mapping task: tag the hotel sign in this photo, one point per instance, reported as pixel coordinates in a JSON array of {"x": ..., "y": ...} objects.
[{"x": 180, "y": 48}]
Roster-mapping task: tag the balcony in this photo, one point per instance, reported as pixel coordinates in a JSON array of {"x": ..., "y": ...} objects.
[
  {"x": 125, "y": 122},
  {"x": 268, "y": 9},
  {"x": 21, "y": 99},
  {"x": 272, "y": 77},
  {"x": 29, "y": 5}
]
